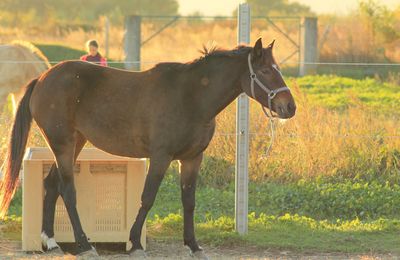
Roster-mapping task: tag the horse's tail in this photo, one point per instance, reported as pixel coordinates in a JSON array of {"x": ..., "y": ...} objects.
[{"x": 16, "y": 150}]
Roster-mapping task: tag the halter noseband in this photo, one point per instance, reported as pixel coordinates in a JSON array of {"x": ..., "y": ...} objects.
[{"x": 271, "y": 93}]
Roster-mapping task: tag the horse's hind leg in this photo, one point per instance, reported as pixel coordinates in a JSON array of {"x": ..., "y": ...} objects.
[
  {"x": 63, "y": 147},
  {"x": 51, "y": 183},
  {"x": 49, "y": 204}
]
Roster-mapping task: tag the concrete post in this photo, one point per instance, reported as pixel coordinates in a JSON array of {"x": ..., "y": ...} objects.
[
  {"x": 132, "y": 42},
  {"x": 308, "y": 46},
  {"x": 242, "y": 135}
]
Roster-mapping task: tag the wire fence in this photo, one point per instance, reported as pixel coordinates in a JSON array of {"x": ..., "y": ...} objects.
[
  {"x": 160, "y": 61},
  {"x": 266, "y": 133}
]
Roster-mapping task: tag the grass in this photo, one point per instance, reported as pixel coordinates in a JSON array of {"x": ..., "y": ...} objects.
[
  {"x": 336, "y": 92},
  {"x": 11, "y": 227},
  {"x": 322, "y": 200},
  {"x": 330, "y": 183},
  {"x": 289, "y": 232},
  {"x": 302, "y": 217}
]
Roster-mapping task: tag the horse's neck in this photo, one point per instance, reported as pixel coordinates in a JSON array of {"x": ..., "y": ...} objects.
[{"x": 222, "y": 88}]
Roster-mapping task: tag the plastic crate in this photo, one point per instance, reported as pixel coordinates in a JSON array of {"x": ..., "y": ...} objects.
[{"x": 108, "y": 191}]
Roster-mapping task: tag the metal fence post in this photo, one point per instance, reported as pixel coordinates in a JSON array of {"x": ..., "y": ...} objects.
[
  {"x": 242, "y": 134},
  {"x": 132, "y": 42},
  {"x": 309, "y": 46}
]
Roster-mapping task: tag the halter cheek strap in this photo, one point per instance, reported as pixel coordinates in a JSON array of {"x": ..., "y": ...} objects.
[{"x": 271, "y": 93}]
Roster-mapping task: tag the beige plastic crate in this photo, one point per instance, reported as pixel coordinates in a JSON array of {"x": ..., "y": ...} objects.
[{"x": 108, "y": 197}]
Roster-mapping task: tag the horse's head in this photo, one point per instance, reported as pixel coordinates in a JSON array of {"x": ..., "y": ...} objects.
[{"x": 263, "y": 82}]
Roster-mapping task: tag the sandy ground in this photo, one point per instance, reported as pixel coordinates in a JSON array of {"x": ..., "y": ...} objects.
[{"x": 161, "y": 250}]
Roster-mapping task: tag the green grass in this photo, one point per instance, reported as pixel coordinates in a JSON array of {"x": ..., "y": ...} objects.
[
  {"x": 324, "y": 216},
  {"x": 339, "y": 92},
  {"x": 318, "y": 200},
  {"x": 60, "y": 53},
  {"x": 289, "y": 232},
  {"x": 11, "y": 227}
]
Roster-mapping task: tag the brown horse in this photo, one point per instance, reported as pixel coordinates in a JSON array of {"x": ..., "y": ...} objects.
[{"x": 165, "y": 113}]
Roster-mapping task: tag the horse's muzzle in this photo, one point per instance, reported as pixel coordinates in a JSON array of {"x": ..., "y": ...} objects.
[{"x": 286, "y": 111}]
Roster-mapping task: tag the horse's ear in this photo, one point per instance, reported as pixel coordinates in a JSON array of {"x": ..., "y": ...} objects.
[
  {"x": 257, "y": 53},
  {"x": 271, "y": 45}
]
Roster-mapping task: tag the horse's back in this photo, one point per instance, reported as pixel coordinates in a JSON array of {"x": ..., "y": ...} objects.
[
  {"x": 124, "y": 113},
  {"x": 93, "y": 100}
]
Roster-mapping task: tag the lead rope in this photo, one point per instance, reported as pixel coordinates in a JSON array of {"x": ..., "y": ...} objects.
[
  {"x": 271, "y": 123},
  {"x": 271, "y": 95}
]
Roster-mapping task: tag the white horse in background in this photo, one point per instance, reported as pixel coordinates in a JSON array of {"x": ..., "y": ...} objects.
[{"x": 19, "y": 63}]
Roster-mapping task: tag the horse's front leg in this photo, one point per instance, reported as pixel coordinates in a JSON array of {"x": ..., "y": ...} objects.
[
  {"x": 158, "y": 166},
  {"x": 189, "y": 170}
]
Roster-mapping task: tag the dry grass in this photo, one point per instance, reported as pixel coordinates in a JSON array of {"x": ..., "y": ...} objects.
[{"x": 316, "y": 143}]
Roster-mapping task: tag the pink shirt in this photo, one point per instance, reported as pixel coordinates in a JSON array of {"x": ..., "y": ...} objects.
[{"x": 98, "y": 59}]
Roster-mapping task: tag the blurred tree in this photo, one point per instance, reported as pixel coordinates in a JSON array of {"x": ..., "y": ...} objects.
[
  {"x": 87, "y": 10},
  {"x": 277, "y": 7},
  {"x": 381, "y": 19},
  {"x": 19, "y": 8}
]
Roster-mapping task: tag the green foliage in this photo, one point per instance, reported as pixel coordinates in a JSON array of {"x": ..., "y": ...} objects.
[
  {"x": 343, "y": 200},
  {"x": 11, "y": 227},
  {"x": 278, "y": 7},
  {"x": 339, "y": 92},
  {"x": 73, "y": 11},
  {"x": 291, "y": 232},
  {"x": 381, "y": 18},
  {"x": 55, "y": 52},
  {"x": 15, "y": 208},
  {"x": 320, "y": 200},
  {"x": 216, "y": 172}
]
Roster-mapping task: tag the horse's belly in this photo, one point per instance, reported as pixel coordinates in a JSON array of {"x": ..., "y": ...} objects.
[
  {"x": 128, "y": 147},
  {"x": 197, "y": 144},
  {"x": 114, "y": 139}
]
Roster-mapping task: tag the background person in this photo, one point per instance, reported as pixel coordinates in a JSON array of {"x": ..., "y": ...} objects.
[{"x": 94, "y": 55}]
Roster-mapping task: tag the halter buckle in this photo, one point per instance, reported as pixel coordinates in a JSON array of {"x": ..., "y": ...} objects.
[
  {"x": 272, "y": 94},
  {"x": 253, "y": 75}
]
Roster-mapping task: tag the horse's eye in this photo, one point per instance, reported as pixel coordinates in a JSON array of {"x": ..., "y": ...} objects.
[{"x": 265, "y": 71}]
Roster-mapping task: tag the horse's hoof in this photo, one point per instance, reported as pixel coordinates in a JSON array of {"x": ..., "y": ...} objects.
[
  {"x": 50, "y": 245},
  {"x": 89, "y": 254},
  {"x": 138, "y": 254},
  {"x": 199, "y": 254}
]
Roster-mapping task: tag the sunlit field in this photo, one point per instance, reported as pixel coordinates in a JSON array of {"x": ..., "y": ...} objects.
[{"x": 334, "y": 169}]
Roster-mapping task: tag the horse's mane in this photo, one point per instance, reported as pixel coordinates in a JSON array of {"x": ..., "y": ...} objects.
[
  {"x": 207, "y": 53},
  {"x": 33, "y": 49}
]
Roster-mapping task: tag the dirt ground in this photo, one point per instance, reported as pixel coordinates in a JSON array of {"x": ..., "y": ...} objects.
[{"x": 160, "y": 250}]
